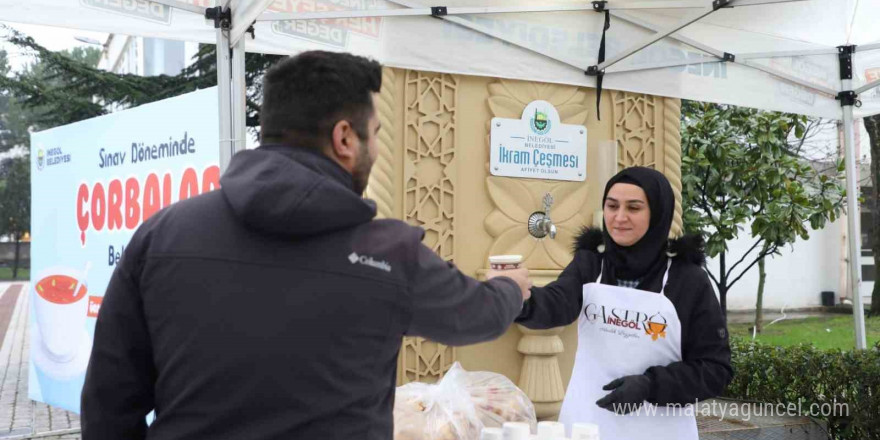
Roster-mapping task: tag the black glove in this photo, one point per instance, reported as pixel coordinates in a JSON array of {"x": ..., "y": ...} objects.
[{"x": 628, "y": 395}]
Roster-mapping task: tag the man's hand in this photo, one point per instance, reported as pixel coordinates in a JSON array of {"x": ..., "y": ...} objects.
[
  {"x": 521, "y": 276},
  {"x": 628, "y": 395}
]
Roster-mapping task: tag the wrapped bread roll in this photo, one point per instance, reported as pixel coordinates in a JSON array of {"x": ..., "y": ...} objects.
[
  {"x": 459, "y": 406},
  {"x": 498, "y": 400}
]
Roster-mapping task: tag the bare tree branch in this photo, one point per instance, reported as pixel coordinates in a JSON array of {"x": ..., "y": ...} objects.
[
  {"x": 745, "y": 255},
  {"x": 761, "y": 255}
]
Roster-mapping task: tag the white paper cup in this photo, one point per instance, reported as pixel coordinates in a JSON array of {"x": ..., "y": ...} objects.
[
  {"x": 585, "y": 431},
  {"x": 492, "y": 434},
  {"x": 550, "y": 430},
  {"x": 505, "y": 262},
  {"x": 516, "y": 431},
  {"x": 59, "y": 312}
]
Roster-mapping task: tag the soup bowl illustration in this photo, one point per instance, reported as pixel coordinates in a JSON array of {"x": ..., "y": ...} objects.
[{"x": 60, "y": 309}]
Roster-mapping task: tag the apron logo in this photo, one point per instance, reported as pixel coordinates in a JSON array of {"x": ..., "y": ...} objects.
[
  {"x": 654, "y": 328},
  {"x": 590, "y": 312},
  {"x": 617, "y": 317}
]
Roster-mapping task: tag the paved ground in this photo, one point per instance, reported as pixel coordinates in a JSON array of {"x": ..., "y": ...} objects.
[
  {"x": 734, "y": 317},
  {"x": 19, "y": 417}
]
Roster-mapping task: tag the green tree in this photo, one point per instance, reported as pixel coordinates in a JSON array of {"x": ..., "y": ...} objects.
[
  {"x": 15, "y": 202},
  {"x": 60, "y": 88},
  {"x": 10, "y": 125},
  {"x": 65, "y": 87},
  {"x": 738, "y": 168},
  {"x": 17, "y": 117},
  {"x": 203, "y": 73}
]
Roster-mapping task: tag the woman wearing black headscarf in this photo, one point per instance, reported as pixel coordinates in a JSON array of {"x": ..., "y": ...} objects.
[{"x": 650, "y": 328}]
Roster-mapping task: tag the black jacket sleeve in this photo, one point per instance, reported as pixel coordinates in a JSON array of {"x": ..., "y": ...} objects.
[
  {"x": 705, "y": 368},
  {"x": 454, "y": 309},
  {"x": 118, "y": 390},
  {"x": 559, "y": 303}
]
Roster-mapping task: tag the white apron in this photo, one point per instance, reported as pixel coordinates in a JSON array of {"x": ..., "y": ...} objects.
[{"x": 621, "y": 332}]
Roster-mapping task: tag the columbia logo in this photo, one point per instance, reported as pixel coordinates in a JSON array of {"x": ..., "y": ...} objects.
[{"x": 369, "y": 261}]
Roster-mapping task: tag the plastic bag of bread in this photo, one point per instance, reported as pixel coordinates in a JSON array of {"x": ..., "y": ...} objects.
[
  {"x": 459, "y": 406},
  {"x": 498, "y": 400}
]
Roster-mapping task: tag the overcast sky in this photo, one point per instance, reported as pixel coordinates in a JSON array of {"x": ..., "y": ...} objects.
[{"x": 53, "y": 38}]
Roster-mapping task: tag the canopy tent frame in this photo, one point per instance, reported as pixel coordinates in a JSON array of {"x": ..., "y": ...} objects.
[
  {"x": 722, "y": 56},
  {"x": 232, "y": 28},
  {"x": 651, "y": 39},
  {"x": 664, "y": 65},
  {"x": 866, "y": 87},
  {"x": 442, "y": 10}
]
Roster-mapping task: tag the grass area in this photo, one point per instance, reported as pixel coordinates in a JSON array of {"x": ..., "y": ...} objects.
[
  {"x": 6, "y": 273},
  {"x": 837, "y": 331}
]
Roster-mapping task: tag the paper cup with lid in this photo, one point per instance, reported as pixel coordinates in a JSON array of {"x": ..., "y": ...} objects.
[{"x": 505, "y": 262}]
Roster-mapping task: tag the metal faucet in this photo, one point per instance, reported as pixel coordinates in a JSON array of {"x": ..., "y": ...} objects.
[{"x": 540, "y": 224}]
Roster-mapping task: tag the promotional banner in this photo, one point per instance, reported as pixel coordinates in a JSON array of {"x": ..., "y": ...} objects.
[{"x": 92, "y": 184}]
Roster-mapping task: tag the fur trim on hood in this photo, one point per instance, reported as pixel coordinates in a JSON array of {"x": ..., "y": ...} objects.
[{"x": 689, "y": 247}]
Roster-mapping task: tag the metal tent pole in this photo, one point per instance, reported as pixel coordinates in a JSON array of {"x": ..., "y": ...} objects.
[
  {"x": 853, "y": 235},
  {"x": 855, "y": 251},
  {"x": 238, "y": 91},
  {"x": 848, "y": 99},
  {"x": 224, "y": 86}
]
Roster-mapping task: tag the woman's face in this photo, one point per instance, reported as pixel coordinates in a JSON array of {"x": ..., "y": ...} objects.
[{"x": 627, "y": 214}]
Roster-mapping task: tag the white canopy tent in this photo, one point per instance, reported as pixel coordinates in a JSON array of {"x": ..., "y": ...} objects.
[{"x": 813, "y": 57}]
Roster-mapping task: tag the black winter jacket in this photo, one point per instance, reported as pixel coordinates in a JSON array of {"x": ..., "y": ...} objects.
[
  {"x": 705, "y": 369},
  {"x": 273, "y": 308}
]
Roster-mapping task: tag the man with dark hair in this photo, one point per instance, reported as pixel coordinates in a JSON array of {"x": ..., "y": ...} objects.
[{"x": 274, "y": 307}]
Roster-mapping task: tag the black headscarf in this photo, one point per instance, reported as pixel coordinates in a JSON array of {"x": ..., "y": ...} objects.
[{"x": 646, "y": 257}]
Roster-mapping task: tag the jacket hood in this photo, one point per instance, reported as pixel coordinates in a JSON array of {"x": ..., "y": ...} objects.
[
  {"x": 689, "y": 247},
  {"x": 291, "y": 191}
]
